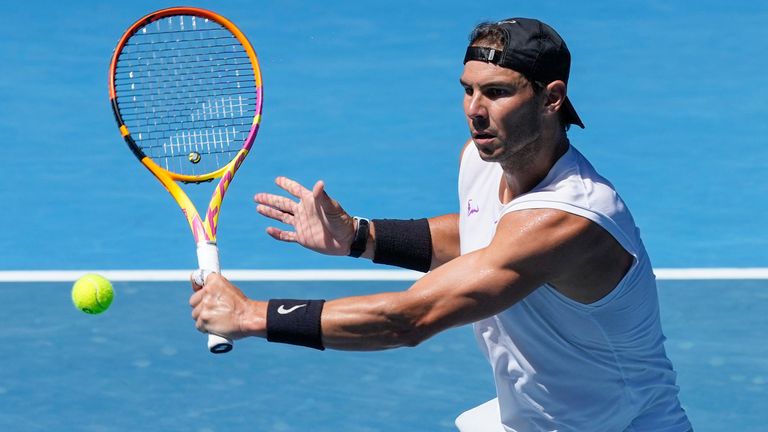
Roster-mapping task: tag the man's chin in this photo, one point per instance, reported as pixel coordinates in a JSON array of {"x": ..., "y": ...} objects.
[{"x": 488, "y": 153}]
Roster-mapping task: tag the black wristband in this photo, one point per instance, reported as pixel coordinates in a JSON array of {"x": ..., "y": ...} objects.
[
  {"x": 295, "y": 322},
  {"x": 403, "y": 243},
  {"x": 361, "y": 238}
]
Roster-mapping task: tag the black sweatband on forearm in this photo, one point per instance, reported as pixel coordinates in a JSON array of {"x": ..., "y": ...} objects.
[
  {"x": 295, "y": 322},
  {"x": 403, "y": 243}
]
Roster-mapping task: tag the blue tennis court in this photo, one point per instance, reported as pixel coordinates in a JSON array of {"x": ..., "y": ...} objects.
[
  {"x": 145, "y": 367},
  {"x": 366, "y": 97}
]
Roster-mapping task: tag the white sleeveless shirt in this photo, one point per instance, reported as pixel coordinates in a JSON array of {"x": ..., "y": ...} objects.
[{"x": 560, "y": 365}]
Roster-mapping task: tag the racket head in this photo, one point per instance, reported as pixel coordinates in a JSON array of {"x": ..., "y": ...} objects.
[{"x": 185, "y": 87}]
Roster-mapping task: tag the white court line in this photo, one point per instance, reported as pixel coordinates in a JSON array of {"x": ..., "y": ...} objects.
[
  {"x": 332, "y": 275},
  {"x": 711, "y": 273},
  {"x": 235, "y": 275}
]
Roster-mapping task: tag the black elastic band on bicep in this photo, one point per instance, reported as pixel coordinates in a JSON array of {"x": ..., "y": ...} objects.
[{"x": 403, "y": 243}]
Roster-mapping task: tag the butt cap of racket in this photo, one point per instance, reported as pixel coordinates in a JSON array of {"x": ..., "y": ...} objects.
[{"x": 218, "y": 344}]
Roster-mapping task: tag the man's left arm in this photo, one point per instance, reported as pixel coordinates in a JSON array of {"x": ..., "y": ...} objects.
[{"x": 530, "y": 247}]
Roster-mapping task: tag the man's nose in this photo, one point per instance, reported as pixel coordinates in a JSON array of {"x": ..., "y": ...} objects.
[{"x": 475, "y": 108}]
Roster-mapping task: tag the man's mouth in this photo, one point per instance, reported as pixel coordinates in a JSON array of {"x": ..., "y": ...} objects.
[{"x": 482, "y": 137}]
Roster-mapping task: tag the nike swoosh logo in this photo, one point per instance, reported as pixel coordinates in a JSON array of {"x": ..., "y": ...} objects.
[{"x": 283, "y": 311}]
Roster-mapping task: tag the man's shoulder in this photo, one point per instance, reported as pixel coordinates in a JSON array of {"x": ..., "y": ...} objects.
[
  {"x": 464, "y": 149},
  {"x": 572, "y": 181}
]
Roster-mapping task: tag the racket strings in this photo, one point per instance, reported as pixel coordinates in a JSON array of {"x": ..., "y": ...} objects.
[
  {"x": 181, "y": 98},
  {"x": 183, "y": 107},
  {"x": 160, "y": 62},
  {"x": 123, "y": 82},
  {"x": 158, "y": 53},
  {"x": 156, "y": 78},
  {"x": 186, "y": 91}
]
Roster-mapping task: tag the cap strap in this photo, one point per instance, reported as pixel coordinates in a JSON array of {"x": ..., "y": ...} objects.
[
  {"x": 488, "y": 55},
  {"x": 497, "y": 57}
]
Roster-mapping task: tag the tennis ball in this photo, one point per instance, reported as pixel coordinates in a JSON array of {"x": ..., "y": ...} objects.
[
  {"x": 194, "y": 157},
  {"x": 92, "y": 294}
]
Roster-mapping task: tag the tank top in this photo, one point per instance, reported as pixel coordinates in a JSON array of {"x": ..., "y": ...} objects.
[{"x": 561, "y": 365}]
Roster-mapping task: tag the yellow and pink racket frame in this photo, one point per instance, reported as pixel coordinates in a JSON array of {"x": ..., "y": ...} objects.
[{"x": 203, "y": 230}]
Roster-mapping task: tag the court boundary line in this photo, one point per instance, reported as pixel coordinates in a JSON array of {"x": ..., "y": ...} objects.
[{"x": 307, "y": 275}]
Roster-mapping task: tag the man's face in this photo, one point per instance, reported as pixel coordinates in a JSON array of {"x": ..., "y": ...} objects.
[{"x": 503, "y": 112}]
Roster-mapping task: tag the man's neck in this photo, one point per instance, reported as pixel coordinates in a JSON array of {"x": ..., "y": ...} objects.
[{"x": 530, "y": 166}]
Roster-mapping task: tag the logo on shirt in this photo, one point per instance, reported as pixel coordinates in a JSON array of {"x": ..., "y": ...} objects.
[{"x": 472, "y": 208}]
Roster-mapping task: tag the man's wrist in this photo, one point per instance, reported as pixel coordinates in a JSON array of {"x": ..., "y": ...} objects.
[
  {"x": 360, "y": 239},
  {"x": 254, "y": 323}
]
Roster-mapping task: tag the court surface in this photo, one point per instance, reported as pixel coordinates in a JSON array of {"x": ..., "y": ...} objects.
[
  {"x": 366, "y": 97},
  {"x": 142, "y": 366}
]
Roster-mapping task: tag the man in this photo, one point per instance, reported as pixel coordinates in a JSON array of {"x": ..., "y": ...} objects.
[{"x": 544, "y": 259}]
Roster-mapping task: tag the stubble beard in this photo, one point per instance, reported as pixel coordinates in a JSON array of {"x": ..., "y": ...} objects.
[{"x": 516, "y": 157}]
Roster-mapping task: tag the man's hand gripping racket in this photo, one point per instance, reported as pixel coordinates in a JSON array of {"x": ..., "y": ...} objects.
[{"x": 185, "y": 88}]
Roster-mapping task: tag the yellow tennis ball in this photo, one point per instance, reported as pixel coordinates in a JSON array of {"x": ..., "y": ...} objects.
[
  {"x": 92, "y": 294},
  {"x": 194, "y": 157}
]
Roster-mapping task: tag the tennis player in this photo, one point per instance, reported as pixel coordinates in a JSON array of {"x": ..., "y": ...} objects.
[{"x": 543, "y": 258}]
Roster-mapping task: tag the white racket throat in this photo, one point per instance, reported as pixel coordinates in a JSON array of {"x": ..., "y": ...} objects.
[{"x": 208, "y": 257}]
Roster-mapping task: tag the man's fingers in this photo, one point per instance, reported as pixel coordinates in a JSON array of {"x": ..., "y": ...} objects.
[
  {"x": 319, "y": 190},
  {"x": 275, "y": 214},
  {"x": 329, "y": 205},
  {"x": 322, "y": 198},
  {"x": 195, "y": 299},
  {"x": 199, "y": 276},
  {"x": 193, "y": 278},
  {"x": 276, "y": 201},
  {"x": 278, "y": 234},
  {"x": 292, "y": 187}
]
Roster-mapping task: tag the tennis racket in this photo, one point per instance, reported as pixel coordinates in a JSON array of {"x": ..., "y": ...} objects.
[{"x": 185, "y": 88}]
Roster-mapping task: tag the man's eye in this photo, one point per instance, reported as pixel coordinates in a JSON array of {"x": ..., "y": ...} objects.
[
  {"x": 468, "y": 91},
  {"x": 496, "y": 92}
]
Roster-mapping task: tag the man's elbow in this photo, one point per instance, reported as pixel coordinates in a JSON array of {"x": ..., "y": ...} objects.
[
  {"x": 411, "y": 320},
  {"x": 411, "y": 333}
]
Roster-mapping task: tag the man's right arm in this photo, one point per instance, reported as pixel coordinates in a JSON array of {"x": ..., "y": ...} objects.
[
  {"x": 321, "y": 224},
  {"x": 445, "y": 239},
  {"x": 444, "y": 231}
]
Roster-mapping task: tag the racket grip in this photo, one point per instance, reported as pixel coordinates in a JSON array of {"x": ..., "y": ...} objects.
[{"x": 208, "y": 262}]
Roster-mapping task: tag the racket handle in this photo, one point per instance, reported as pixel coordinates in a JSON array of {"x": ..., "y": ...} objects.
[{"x": 208, "y": 262}]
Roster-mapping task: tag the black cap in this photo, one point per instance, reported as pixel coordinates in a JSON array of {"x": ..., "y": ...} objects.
[{"x": 533, "y": 49}]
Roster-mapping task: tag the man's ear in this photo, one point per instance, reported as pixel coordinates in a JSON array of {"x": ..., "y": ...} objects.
[{"x": 555, "y": 94}]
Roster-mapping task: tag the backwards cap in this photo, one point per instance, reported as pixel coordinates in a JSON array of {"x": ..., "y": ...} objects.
[{"x": 533, "y": 49}]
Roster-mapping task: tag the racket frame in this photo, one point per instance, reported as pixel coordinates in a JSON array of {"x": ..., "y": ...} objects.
[{"x": 203, "y": 230}]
